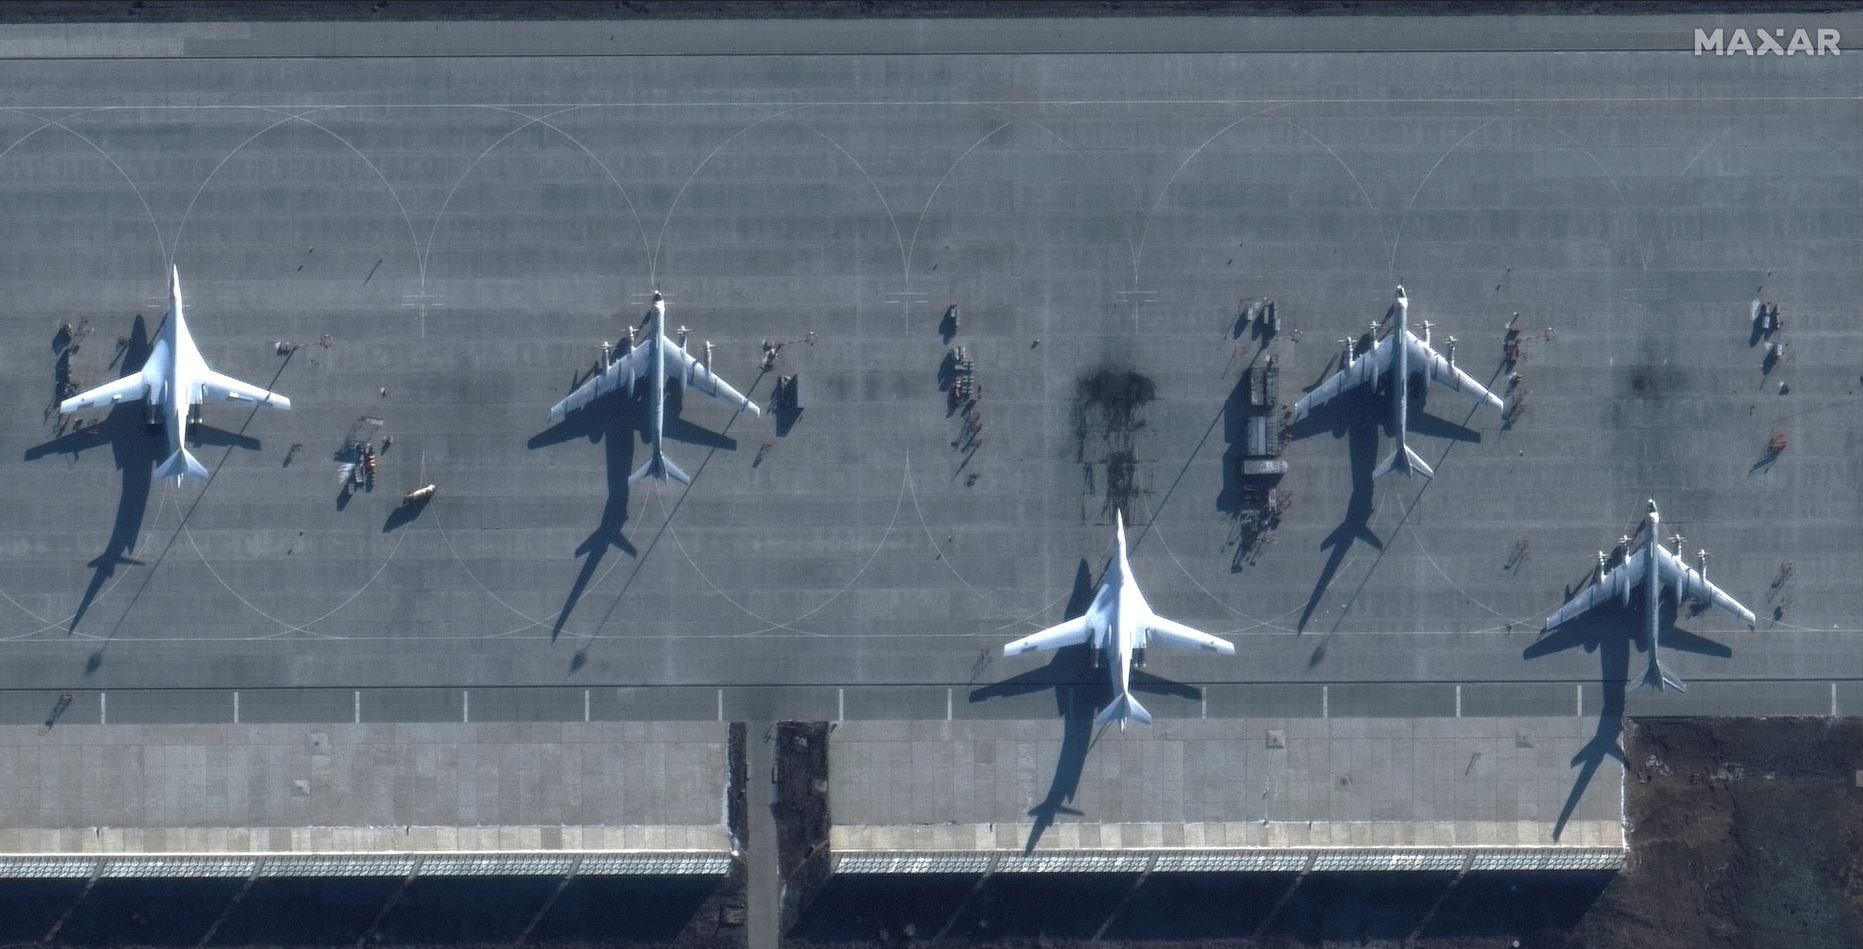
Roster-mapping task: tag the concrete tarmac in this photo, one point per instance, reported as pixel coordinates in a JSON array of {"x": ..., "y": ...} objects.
[{"x": 448, "y": 238}]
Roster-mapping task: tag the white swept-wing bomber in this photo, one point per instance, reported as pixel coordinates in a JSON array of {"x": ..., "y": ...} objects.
[
  {"x": 649, "y": 360},
  {"x": 1651, "y": 566},
  {"x": 1394, "y": 355},
  {"x": 174, "y": 379},
  {"x": 1117, "y": 624}
]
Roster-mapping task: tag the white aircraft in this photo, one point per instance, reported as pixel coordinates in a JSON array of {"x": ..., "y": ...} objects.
[
  {"x": 1393, "y": 355},
  {"x": 174, "y": 380},
  {"x": 1117, "y": 624},
  {"x": 1650, "y": 567},
  {"x": 650, "y": 359}
]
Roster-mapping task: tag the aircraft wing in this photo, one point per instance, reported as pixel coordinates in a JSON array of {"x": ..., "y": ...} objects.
[
  {"x": 126, "y": 389},
  {"x": 1069, "y": 633},
  {"x": 621, "y": 372},
  {"x": 1612, "y": 584},
  {"x": 223, "y": 388},
  {"x": 1442, "y": 371},
  {"x": 1172, "y": 633},
  {"x": 1689, "y": 582},
  {"x": 1362, "y": 370},
  {"x": 704, "y": 380}
]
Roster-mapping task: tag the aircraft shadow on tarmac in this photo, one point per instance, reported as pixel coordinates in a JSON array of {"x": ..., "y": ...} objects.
[
  {"x": 1080, "y": 691},
  {"x": 1609, "y": 630},
  {"x": 677, "y": 429},
  {"x": 1353, "y": 418},
  {"x": 946, "y": 377},
  {"x": 135, "y": 450},
  {"x": 613, "y": 421},
  {"x": 610, "y": 421},
  {"x": 1418, "y": 419},
  {"x": 405, "y": 513},
  {"x": 1358, "y": 417},
  {"x": 1432, "y": 426},
  {"x": 783, "y": 418}
]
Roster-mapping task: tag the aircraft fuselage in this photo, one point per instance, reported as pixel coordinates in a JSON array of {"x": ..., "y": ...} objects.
[
  {"x": 657, "y": 339},
  {"x": 1400, "y": 371},
  {"x": 1119, "y": 610},
  {"x": 184, "y": 373},
  {"x": 1652, "y": 585}
]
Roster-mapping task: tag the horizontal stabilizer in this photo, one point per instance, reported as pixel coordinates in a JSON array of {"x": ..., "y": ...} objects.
[
  {"x": 1654, "y": 677},
  {"x": 1122, "y": 708},
  {"x": 659, "y": 468},
  {"x": 1403, "y": 460},
  {"x": 181, "y": 465}
]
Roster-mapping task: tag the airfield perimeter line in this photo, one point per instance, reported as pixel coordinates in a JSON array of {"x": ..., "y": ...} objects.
[{"x": 1088, "y": 212}]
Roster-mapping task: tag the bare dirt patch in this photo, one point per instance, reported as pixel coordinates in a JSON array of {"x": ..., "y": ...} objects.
[{"x": 1744, "y": 832}]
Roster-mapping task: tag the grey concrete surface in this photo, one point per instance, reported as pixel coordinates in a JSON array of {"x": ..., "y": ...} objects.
[
  {"x": 933, "y": 786},
  {"x": 268, "y": 783},
  {"x": 467, "y": 230}
]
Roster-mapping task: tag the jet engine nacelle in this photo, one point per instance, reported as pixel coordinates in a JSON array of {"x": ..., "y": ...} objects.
[{"x": 153, "y": 397}]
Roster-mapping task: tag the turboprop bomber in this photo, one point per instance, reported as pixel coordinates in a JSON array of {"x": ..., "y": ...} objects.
[
  {"x": 649, "y": 360},
  {"x": 1393, "y": 356},
  {"x": 1651, "y": 566}
]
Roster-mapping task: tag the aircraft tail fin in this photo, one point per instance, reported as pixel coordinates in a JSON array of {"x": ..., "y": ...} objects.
[
  {"x": 1403, "y": 460},
  {"x": 1122, "y": 708},
  {"x": 180, "y": 465},
  {"x": 659, "y": 467},
  {"x": 1654, "y": 677}
]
